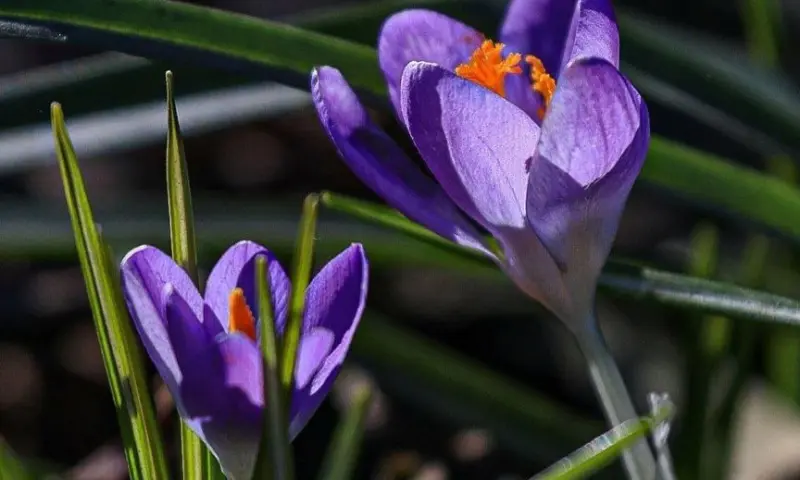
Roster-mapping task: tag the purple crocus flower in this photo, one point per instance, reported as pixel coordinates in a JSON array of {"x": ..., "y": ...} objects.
[
  {"x": 537, "y": 139},
  {"x": 206, "y": 349}
]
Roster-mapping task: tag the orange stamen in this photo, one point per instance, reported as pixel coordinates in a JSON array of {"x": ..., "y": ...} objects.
[
  {"x": 488, "y": 68},
  {"x": 543, "y": 83},
  {"x": 240, "y": 318}
]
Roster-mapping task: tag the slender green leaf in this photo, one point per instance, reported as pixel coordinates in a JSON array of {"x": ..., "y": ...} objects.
[
  {"x": 179, "y": 195},
  {"x": 179, "y": 31},
  {"x": 119, "y": 346},
  {"x": 343, "y": 450},
  {"x": 275, "y": 455},
  {"x": 301, "y": 274},
  {"x": 604, "y": 449},
  {"x": 197, "y": 462}
]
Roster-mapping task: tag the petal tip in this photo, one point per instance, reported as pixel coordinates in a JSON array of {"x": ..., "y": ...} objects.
[{"x": 134, "y": 254}]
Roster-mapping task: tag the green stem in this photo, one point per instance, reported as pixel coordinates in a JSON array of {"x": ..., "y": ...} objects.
[{"x": 614, "y": 398}]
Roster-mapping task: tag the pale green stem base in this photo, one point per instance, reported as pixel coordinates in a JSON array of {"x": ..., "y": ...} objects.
[{"x": 639, "y": 462}]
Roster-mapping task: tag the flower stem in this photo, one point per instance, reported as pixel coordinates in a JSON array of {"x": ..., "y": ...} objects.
[{"x": 638, "y": 460}]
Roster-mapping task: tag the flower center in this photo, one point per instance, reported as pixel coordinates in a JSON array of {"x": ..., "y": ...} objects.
[
  {"x": 488, "y": 68},
  {"x": 240, "y": 318}
]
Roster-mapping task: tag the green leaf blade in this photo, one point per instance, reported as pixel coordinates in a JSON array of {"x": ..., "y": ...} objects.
[
  {"x": 604, "y": 449},
  {"x": 301, "y": 275},
  {"x": 144, "y": 448},
  {"x": 344, "y": 448},
  {"x": 275, "y": 454}
]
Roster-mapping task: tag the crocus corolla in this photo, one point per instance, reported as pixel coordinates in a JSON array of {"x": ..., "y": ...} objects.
[
  {"x": 537, "y": 139},
  {"x": 206, "y": 348}
]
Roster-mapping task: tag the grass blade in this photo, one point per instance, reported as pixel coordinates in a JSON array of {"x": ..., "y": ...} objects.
[
  {"x": 275, "y": 455},
  {"x": 604, "y": 449},
  {"x": 343, "y": 450},
  {"x": 197, "y": 462},
  {"x": 179, "y": 194},
  {"x": 301, "y": 273},
  {"x": 119, "y": 345},
  {"x": 181, "y": 31}
]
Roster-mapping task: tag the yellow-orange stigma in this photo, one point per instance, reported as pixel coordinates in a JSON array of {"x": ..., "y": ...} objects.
[
  {"x": 240, "y": 318},
  {"x": 488, "y": 68},
  {"x": 542, "y": 82}
]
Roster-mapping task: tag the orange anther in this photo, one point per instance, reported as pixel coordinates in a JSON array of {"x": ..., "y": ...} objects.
[
  {"x": 488, "y": 68},
  {"x": 240, "y": 318},
  {"x": 542, "y": 82}
]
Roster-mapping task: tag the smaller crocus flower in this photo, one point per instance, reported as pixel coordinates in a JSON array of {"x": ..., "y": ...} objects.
[
  {"x": 537, "y": 139},
  {"x": 206, "y": 348}
]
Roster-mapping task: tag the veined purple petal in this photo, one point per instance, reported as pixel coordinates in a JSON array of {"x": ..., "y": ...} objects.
[
  {"x": 594, "y": 140},
  {"x": 424, "y": 36},
  {"x": 559, "y": 31},
  {"x": 475, "y": 142},
  {"x": 229, "y": 408},
  {"x": 381, "y": 164},
  {"x": 145, "y": 272},
  {"x": 236, "y": 269},
  {"x": 334, "y": 303}
]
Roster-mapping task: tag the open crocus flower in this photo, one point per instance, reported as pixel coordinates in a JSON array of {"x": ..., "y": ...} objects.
[
  {"x": 206, "y": 349},
  {"x": 537, "y": 139}
]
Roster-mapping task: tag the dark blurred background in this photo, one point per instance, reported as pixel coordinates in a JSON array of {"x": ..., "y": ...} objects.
[{"x": 251, "y": 175}]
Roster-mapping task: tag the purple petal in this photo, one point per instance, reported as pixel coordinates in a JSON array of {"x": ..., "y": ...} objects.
[
  {"x": 315, "y": 345},
  {"x": 145, "y": 272},
  {"x": 425, "y": 36},
  {"x": 334, "y": 303},
  {"x": 236, "y": 269},
  {"x": 519, "y": 91},
  {"x": 475, "y": 142},
  {"x": 228, "y": 403},
  {"x": 381, "y": 164},
  {"x": 560, "y": 31},
  {"x": 188, "y": 338},
  {"x": 594, "y": 140}
]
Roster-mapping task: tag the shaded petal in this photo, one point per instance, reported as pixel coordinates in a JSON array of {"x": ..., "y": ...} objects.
[
  {"x": 228, "y": 413},
  {"x": 594, "y": 140},
  {"x": 519, "y": 91},
  {"x": 381, "y": 164},
  {"x": 541, "y": 28},
  {"x": 315, "y": 345},
  {"x": 236, "y": 269},
  {"x": 475, "y": 142},
  {"x": 594, "y": 33},
  {"x": 145, "y": 272},
  {"x": 189, "y": 340},
  {"x": 334, "y": 302},
  {"x": 424, "y": 36},
  {"x": 559, "y": 31}
]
